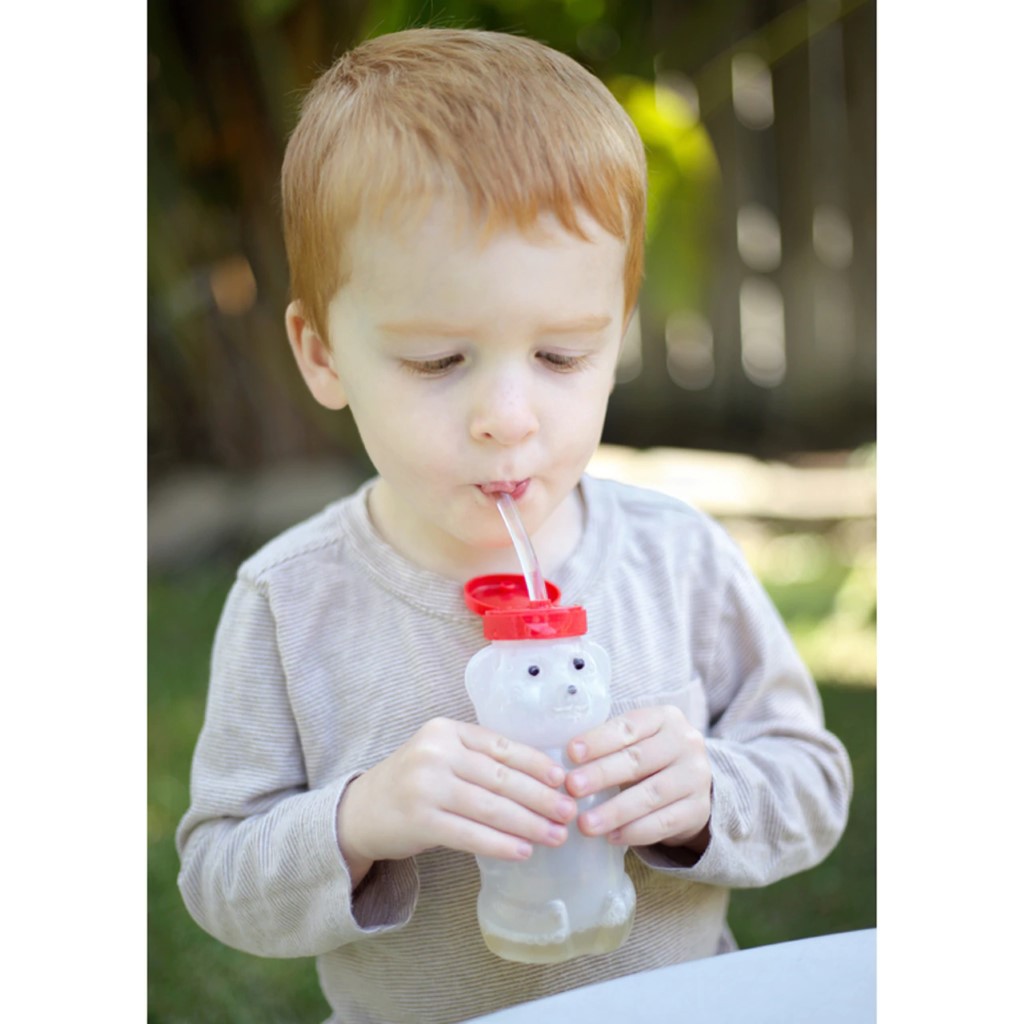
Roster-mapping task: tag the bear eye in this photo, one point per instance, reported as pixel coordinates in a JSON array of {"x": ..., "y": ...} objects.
[
  {"x": 534, "y": 670},
  {"x": 578, "y": 663}
]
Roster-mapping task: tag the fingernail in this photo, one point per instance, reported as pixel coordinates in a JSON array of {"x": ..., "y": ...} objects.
[
  {"x": 566, "y": 808},
  {"x": 523, "y": 850},
  {"x": 616, "y": 836},
  {"x": 594, "y": 822},
  {"x": 557, "y": 833},
  {"x": 577, "y": 782},
  {"x": 577, "y": 750},
  {"x": 555, "y": 775}
]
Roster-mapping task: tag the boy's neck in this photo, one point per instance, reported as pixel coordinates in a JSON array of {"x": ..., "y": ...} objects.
[{"x": 553, "y": 543}]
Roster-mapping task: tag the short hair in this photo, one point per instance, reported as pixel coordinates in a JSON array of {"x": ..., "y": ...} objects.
[{"x": 506, "y": 126}]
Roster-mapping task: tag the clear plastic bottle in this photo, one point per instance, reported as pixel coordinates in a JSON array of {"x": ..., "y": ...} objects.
[{"x": 542, "y": 682}]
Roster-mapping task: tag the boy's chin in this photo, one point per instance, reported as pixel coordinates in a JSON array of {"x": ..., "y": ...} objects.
[{"x": 496, "y": 543}]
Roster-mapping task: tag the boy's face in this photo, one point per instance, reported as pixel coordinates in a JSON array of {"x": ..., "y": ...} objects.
[{"x": 473, "y": 367}]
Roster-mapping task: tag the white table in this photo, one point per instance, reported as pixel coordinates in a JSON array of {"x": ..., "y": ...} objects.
[{"x": 829, "y": 979}]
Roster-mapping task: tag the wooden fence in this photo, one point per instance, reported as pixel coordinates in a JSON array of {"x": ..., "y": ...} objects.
[{"x": 783, "y": 357}]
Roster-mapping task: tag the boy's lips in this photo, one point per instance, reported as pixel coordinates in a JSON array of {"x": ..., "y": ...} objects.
[{"x": 515, "y": 488}]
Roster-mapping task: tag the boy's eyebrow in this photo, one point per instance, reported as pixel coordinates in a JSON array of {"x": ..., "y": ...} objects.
[{"x": 579, "y": 325}]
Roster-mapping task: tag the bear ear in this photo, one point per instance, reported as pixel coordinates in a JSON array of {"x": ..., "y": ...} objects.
[
  {"x": 479, "y": 676},
  {"x": 600, "y": 658}
]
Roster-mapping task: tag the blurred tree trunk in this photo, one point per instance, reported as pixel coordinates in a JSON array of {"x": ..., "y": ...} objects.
[{"x": 224, "y": 90}]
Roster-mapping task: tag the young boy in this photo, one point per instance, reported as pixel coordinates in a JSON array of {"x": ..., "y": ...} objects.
[{"x": 464, "y": 216}]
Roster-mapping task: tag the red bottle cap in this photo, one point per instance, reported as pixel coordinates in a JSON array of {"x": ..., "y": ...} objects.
[{"x": 509, "y": 614}]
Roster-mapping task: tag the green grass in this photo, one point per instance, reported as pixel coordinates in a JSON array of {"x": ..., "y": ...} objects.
[
  {"x": 193, "y": 978},
  {"x": 839, "y": 894}
]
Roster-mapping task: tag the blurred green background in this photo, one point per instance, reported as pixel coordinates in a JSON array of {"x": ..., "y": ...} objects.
[{"x": 755, "y": 337}]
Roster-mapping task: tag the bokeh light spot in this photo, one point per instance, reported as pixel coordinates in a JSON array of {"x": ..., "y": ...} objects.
[
  {"x": 233, "y": 285},
  {"x": 832, "y": 235},
  {"x": 758, "y": 237},
  {"x": 752, "y": 97},
  {"x": 690, "y": 350},
  {"x": 762, "y": 332}
]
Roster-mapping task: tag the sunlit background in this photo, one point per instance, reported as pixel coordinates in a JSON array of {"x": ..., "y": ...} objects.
[{"x": 747, "y": 384}]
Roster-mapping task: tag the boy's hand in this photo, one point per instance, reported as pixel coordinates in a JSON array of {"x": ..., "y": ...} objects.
[
  {"x": 458, "y": 785},
  {"x": 660, "y": 762}
]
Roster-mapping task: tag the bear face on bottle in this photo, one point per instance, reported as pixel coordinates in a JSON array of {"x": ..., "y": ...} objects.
[{"x": 543, "y": 692}]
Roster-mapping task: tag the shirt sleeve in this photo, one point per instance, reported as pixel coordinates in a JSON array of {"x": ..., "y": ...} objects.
[
  {"x": 261, "y": 868},
  {"x": 781, "y": 782}
]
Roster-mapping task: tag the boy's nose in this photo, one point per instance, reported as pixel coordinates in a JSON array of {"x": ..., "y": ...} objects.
[{"x": 503, "y": 413}]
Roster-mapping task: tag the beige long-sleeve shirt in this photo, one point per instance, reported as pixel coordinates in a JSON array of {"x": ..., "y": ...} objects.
[{"x": 333, "y": 649}]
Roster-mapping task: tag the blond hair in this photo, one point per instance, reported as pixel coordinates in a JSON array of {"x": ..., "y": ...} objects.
[{"x": 502, "y": 124}]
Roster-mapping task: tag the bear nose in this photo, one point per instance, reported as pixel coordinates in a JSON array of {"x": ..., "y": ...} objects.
[{"x": 572, "y": 690}]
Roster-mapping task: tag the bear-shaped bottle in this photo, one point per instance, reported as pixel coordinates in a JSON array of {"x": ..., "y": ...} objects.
[{"x": 542, "y": 681}]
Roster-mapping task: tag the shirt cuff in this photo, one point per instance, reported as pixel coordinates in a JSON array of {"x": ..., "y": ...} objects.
[{"x": 385, "y": 899}]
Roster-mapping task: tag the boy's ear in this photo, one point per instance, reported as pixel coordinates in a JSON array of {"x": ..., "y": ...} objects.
[{"x": 315, "y": 360}]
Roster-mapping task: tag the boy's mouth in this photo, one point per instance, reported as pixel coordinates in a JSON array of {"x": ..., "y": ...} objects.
[{"x": 515, "y": 488}]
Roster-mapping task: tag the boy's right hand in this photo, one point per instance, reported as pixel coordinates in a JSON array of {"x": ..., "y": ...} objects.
[{"x": 458, "y": 785}]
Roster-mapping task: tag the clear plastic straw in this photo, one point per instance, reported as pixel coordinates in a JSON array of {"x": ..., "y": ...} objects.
[{"x": 535, "y": 586}]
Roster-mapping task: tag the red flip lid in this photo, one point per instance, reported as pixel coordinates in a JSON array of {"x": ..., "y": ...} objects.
[{"x": 509, "y": 614}]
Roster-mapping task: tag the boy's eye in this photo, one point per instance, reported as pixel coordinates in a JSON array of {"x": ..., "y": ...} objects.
[
  {"x": 561, "y": 362},
  {"x": 431, "y": 367}
]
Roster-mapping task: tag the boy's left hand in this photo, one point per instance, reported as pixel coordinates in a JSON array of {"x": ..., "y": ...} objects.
[{"x": 661, "y": 763}]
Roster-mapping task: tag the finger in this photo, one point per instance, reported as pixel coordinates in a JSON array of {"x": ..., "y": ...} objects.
[
  {"x": 618, "y": 732},
  {"x": 459, "y": 833},
  {"x": 674, "y": 803},
  {"x": 649, "y": 797},
  {"x": 678, "y": 822},
  {"x": 625, "y": 766},
  {"x": 523, "y": 790},
  {"x": 501, "y": 814},
  {"x": 518, "y": 756}
]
